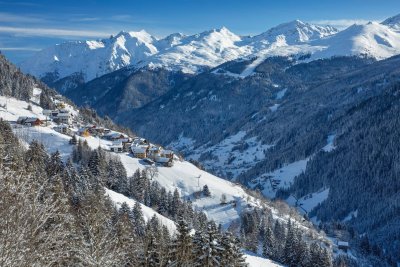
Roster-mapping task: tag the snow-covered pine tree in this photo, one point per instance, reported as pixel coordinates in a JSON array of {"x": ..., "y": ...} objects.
[
  {"x": 127, "y": 241},
  {"x": 138, "y": 185},
  {"x": 94, "y": 163},
  {"x": 268, "y": 243},
  {"x": 280, "y": 237},
  {"x": 211, "y": 249},
  {"x": 152, "y": 254},
  {"x": 181, "y": 250},
  {"x": 137, "y": 216},
  {"x": 55, "y": 165},
  {"x": 163, "y": 202},
  {"x": 36, "y": 157},
  {"x": 175, "y": 205},
  {"x": 231, "y": 255},
  {"x": 289, "y": 253}
]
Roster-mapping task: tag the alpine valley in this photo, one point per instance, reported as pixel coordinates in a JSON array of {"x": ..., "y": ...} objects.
[{"x": 292, "y": 135}]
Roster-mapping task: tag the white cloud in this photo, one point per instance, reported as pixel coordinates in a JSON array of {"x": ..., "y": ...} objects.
[
  {"x": 53, "y": 32},
  {"x": 19, "y": 49},
  {"x": 7, "y": 17},
  {"x": 341, "y": 23}
]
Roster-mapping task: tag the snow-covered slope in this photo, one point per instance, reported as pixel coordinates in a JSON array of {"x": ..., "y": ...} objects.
[{"x": 372, "y": 39}]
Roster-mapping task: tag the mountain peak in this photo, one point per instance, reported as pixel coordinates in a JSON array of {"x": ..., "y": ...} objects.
[
  {"x": 296, "y": 31},
  {"x": 393, "y": 22}
]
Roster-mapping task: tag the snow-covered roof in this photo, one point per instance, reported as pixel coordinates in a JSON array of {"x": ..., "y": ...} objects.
[
  {"x": 138, "y": 149},
  {"x": 31, "y": 119}
]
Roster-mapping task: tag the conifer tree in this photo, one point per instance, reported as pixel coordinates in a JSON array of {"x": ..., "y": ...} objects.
[
  {"x": 137, "y": 216},
  {"x": 182, "y": 245},
  {"x": 268, "y": 243}
]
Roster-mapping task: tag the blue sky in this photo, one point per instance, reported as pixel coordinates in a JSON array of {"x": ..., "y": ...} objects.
[{"x": 27, "y": 26}]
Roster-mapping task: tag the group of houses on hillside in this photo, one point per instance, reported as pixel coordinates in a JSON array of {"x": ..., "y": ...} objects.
[
  {"x": 142, "y": 149},
  {"x": 139, "y": 147},
  {"x": 61, "y": 116}
]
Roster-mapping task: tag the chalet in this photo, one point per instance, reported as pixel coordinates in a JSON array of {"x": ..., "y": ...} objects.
[
  {"x": 154, "y": 151},
  {"x": 63, "y": 117},
  {"x": 167, "y": 154},
  {"x": 343, "y": 245},
  {"x": 113, "y": 136},
  {"x": 139, "y": 151},
  {"x": 167, "y": 162},
  {"x": 140, "y": 141},
  {"x": 30, "y": 121},
  {"x": 116, "y": 147},
  {"x": 21, "y": 119},
  {"x": 64, "y": 129},
  {"x": 95, "y": 131}
]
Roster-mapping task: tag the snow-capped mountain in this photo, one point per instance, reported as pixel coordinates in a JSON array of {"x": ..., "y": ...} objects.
[
  {"x": 372, "y": 39},
  {"x": 393, "y": 22},
  {"x": 294, "y": 32},
  {"x": 92, "y": 58},
  {"x": 178, "y": 52},
  {"x": 194, "y": 53}
]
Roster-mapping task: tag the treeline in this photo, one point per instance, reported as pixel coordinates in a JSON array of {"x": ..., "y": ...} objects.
[{"x": 55, "y": 214}]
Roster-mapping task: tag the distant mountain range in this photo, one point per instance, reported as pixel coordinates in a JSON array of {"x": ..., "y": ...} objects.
[{"x": 195, "y": 53}]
